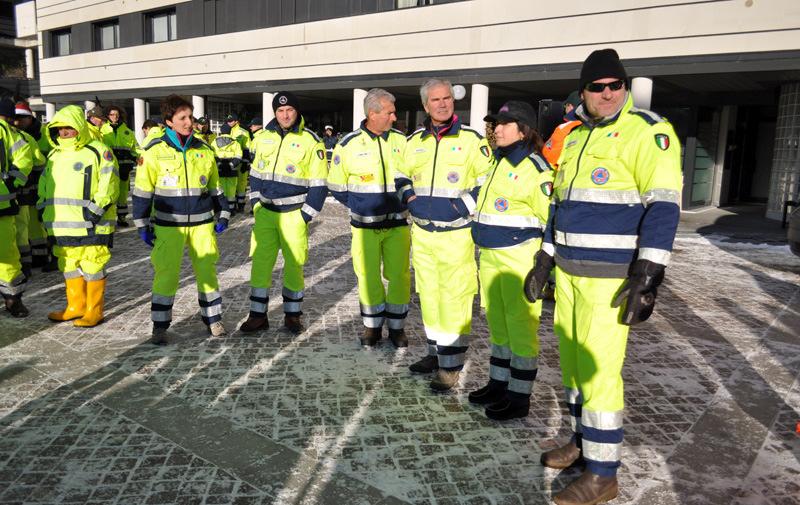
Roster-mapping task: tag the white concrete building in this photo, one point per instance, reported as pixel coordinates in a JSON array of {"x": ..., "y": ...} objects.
[{"x": 726, "y": 72}]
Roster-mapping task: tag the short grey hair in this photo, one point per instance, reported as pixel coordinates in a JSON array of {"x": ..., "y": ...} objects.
[
  {"x": 372, "y": 102},
  {"x": 430, "y": 84}
]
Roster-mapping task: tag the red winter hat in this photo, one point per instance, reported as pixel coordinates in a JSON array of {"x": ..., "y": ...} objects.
[{"x": 22, "y": 109}]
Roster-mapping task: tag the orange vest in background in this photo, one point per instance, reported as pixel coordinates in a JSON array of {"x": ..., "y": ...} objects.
[{"x": 552, "y": 148}]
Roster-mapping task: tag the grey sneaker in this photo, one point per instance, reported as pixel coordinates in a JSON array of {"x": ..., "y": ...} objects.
[{"x": 217, "y": 329}]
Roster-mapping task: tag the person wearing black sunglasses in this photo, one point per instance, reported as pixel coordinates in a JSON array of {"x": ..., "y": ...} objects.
[{"x": 613, "y": 218}]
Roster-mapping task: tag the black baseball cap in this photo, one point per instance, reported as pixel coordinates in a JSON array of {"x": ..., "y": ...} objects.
[{"x": 514, "y": 111}]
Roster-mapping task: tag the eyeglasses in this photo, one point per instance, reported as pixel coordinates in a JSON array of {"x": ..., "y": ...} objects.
[{"x": 599, "y": 87}]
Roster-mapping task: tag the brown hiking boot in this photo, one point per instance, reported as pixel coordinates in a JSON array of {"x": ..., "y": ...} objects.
[
  {"x": 371, "y": 336},
  {"x": 159, "y": 336},
  {"x": 588, "y": 489},
  {"x": 254, "y": 324},
  {"x": 293, "y": 324},
  {"x": 428, "y": 364},
  {"x": 15, "y": 307},
  {"x": 444, "y": 380},
  {"x": 398, "y": 337},
  {"x": 562, "y": 457}
]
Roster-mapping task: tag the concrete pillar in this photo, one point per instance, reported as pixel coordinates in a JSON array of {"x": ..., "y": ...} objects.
[
  {"x": 479, "y": 107},
  {"x": 49, "y": 111},
  {"x": 88, "y": 104},
  {"x": 29, "y": 68},
  {"x": 138, "y": 118},
  {"x": 642, "y": 91},
  {"x": 199, "y": 104},
  {"x": 147, "y": 109},
  {"x": 358, "y": 107},
  {"x": 267, "y": 114}
]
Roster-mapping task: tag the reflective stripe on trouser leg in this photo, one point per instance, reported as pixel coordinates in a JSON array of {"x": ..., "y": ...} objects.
[
  {"x": 37, "y": 235},
  {"x": 12, "y": 281},
  {"x": 23, "y": 244},
  {"x": 228, "y": 185},
  {"x": 204, "y": 253},
  {"x": 574, "y": 406},
  {"x": 395, "y": 249},
  {"x": 166, "y": 258},
  {"x": 499, "y": 362},
  {"x": 241, "y": 186},
  {"x": 161, "y": 310},
  {"x": 592, "y": 346},
  {"x": 210, "y": 306},
  {"x": 293, "y": 234},
  {"x": 259, "y": 301},
  {"x": 365, "y": 251},
  {"x": 523, "y": 373},
  {"x": 87, "y": 260},
  {"x": 122, "y": 199},
  {"x": 446, "y": 280}
]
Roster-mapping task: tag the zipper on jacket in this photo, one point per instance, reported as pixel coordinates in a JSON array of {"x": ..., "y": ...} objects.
[
  {"x": 186, "y": 177},
  {"x": 383, "y": 167},
  {"x": 488, "y": 185},
  {"x": 435, "y": 154},
  {"x": 578, "y": 163},
  {"x": 277, "y": 155}
]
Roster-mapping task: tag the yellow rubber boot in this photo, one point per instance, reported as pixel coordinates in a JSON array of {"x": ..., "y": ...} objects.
[
  {"x": 76, "y": 301},
  {"x": 94, "y": 304}
]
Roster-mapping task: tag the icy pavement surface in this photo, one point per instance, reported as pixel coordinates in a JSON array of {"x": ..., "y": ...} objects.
[{"x": 101, "y": 416}]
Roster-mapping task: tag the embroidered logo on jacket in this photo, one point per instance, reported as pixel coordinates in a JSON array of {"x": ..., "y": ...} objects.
[
  {"x": 547, "y": 188},
  {"x": 662, "y": 141},
  {"x": 501, "y": 204},
  {"x": 453, "y": 177},
  {"x": 291, "y": 169},
  {"x": 600, "y": 176}
]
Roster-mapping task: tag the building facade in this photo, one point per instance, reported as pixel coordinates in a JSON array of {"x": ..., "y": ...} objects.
[{"x": 725, "y": 72}]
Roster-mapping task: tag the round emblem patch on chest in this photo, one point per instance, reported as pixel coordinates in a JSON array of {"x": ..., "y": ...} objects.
[
  {"x": 203, "y": 180},
  {"x": 452, "y": 177},
  {"x": 337, "y": 159},
  {"x": 501, "y": 204},
  {"x": 600, "y": 176},
  {"x": 78, "y": 166},
  {"x": 291, "y": 169}
]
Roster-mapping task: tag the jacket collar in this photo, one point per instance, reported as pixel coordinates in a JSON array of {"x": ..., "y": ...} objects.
[
  {"x": 514, "y": 153},
  {"x": 171, "y": 138},
  {"x": 384, "y": 135}
]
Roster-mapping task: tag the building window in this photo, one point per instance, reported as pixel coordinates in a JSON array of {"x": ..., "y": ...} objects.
[
  {"x": 404, "y": 4},
  {"x": 106, "y": 35},
  {"x": 62, "y": 42},
  {"x": 162, "y": 26}
]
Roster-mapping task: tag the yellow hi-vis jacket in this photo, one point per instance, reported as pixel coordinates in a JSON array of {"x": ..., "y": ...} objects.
[{"x": 16, "y": 163}]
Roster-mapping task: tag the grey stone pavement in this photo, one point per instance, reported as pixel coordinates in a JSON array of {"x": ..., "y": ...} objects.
[{"x": 101, "y": 416}]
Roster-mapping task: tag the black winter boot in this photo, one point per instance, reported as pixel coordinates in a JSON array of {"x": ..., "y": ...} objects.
[
  {"x": 492, "y": 392},
  {"x": 510, "y": 407}
]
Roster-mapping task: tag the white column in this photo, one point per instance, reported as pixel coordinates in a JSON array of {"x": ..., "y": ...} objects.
[
  {"x": 88, "y": 104},
  {"x": 138, "y": 118},
  {"x": 199, "y": 104},
  {"x": 358, "y": 107},
  {"x": 29, "y": 69},
  {"x": 642, "y": 91},
  {"x": 49, "y": 111},
  {"x": 267, "y": 114},
  {"x": 479, "y": 107}
]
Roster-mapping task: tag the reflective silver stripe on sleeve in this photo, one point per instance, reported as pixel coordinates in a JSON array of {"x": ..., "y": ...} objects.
[
  {"x": 225, "y": 214},
  {"x": 316, "y": 183},
  {"x": 444, "y": 193},
  {"x": 18, "y": 175},
  {"x": 284, "y": 201},
  {"x": 295, "y": 181},
  {"x": 605, "y": 196},
  {"x": 510, "y": 221},
  {"x": 602, "y": 420},
  {"x": 142, "y": 194},
  {"x": 184, "y": 218},
  {"x": 592, "y": 240},
  {"x": 8, "y": 197},
  {"x": 659, "y": 256},
  {"x": 308, "y": 209},
  {"x": 179, "y": 192},
  {"x": 19, "y": 144},
  {"x": 549, "y": 248},
  {"x": 215, "y": 192},
  {"x": 95, "y": 209},
  {"x": 469, "y": 202},
  {"x": 337, "y": 187},
  {"x": 405, "y": 187},
  {"x": 95, "y": 277},
  {"x": 661, "y": 195}
]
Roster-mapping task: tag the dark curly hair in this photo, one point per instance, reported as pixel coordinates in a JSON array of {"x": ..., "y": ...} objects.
[{"x": 171, "y": 104}]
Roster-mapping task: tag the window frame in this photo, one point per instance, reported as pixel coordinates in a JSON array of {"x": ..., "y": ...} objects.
[
  {"x": 98, "y": 37},
  {"x": 56, "y": 46},
  {"x": 172, "y": 25}
]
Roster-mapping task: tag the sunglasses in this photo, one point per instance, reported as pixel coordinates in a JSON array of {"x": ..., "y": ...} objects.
[{"x": 598, "y": 87}]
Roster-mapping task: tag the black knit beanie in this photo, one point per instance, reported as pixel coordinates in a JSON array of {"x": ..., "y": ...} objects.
[
  {"x": 601, "y": 64},
  {"x": 284, "y": 98}
]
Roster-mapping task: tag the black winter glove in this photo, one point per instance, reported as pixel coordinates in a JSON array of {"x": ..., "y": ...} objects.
[
  {"x": 537, "y": 278},
  {"x": 639, "y": 292}
]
